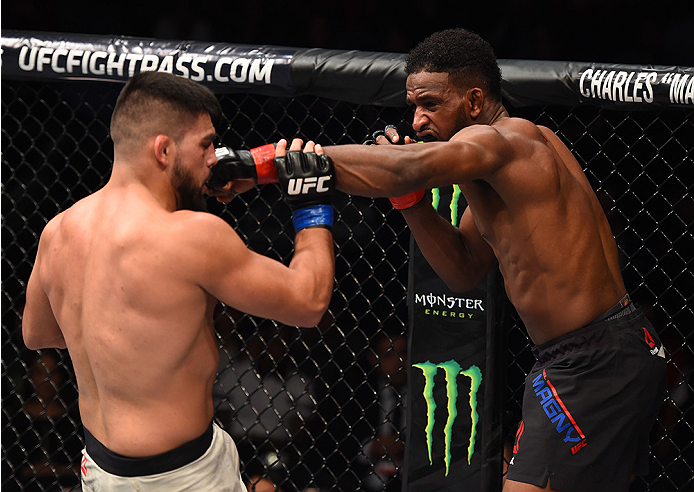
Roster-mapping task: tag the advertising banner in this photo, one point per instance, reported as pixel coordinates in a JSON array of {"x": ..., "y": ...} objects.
[{"x": 446, "y": 376}]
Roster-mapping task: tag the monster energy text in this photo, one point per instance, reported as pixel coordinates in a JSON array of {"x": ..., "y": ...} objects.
[{"x": 448, "y": 306}]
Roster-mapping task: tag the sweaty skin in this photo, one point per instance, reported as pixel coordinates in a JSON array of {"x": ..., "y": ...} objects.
[
  {"x": 530, "y": 205},
  {"x": 128, "y": 283}
]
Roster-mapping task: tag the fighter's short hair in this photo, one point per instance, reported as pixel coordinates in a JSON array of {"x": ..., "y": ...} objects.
[
  {"x": 153, "y": 99},
  {"x": 463, "y": 54}
]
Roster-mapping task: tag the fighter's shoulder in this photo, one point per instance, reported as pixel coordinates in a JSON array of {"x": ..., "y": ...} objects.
[
  {"x": 200, "y": 242},
  {"x": 520, "y": 126},
  {"x": 503, "y": 130},
  {"x": 204, "y": 234},
  {"x": 482, "y": 138},
  {"x": 51, "y": 229},
  {"x": 198, "y": 225},
  {"x": 524, "y": 136}
]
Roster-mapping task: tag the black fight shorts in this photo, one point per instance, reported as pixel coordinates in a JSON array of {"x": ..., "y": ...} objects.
[{"x": 589, "y": 405}]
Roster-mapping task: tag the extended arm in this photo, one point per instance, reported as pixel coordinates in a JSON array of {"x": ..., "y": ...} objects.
[
  {"x": 393, "y": 170},
  {"x": 379, "y": 170},
  {"x": 459, "y": 256}
]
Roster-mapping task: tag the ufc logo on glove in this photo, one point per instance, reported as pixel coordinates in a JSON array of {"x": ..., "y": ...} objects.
[
  {"x": 307, "y": 181},
  {"x": 302, "y": 186}
]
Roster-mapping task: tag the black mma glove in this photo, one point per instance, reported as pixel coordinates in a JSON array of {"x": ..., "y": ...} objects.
[
  {"x": 256, "y": 164},
  {"x": 398, "y": 202},
  {"x": 308, "y": 182}
]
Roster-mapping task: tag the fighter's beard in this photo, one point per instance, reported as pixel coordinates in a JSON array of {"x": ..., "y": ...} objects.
[{"x": 189, "y": 195}]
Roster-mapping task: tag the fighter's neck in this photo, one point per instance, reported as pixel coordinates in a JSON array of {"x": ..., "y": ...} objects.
[
  {"x": 156, "y": 184},
  {"x": 492, "y": 114},
  {"x": 499, "y": 114}
]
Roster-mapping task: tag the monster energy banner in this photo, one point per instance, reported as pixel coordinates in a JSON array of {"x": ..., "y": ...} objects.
[{"x": 447, "y": 374}]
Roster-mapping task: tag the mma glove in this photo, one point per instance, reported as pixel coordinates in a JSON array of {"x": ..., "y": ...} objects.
[
  {"x": 399, "y": 202},
  {"x": 307, "y": 180},
  {"x": 256, "y": 164}
]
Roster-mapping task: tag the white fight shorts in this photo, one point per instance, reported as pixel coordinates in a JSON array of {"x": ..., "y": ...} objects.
[{"x": 216, "y": 469}]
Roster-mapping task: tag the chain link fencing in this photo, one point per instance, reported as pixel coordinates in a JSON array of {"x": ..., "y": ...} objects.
[{"x": 308, "y": 407}]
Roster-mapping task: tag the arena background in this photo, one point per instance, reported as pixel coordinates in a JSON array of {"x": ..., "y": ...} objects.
[{"x": 56, "y": 150}]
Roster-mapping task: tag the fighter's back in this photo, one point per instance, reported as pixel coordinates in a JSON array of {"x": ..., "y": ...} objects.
[{"x": 134, "y": 320}]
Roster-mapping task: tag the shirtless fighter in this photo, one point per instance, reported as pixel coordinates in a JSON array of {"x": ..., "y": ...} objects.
[
  {"x": 127, "y": 280},
  {"x": 592, "y": 398}
]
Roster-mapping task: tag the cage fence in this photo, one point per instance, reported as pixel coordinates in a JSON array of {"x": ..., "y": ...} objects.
[{"x": 307, "y": 406}]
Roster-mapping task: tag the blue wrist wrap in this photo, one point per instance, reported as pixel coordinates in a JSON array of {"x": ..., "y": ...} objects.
[{"x": 313, "y": 216}]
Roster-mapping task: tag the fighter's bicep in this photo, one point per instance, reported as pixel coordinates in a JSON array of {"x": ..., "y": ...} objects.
[
  {"x": 241, "y": 278},
  {"x": 256, "y": 285}
]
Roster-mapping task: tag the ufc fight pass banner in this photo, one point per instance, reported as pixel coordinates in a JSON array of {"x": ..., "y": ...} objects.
[
  {"x": 360, "y": 77},
  {"x": 50, "y": 56},
  {"x": 446, "y": 375}
]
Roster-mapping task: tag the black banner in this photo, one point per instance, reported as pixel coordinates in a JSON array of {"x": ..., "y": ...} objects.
[
  {"x": 447, "y": 376},
  {"x": 531, "y": 82},
  {"x": 359, "y": 77},
  {"x": 224, "y": 67}
]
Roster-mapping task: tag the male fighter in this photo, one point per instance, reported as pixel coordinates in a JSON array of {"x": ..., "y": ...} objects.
[
  {"x": 591, "y": 399},
  {"x": 127, "y": 280}
]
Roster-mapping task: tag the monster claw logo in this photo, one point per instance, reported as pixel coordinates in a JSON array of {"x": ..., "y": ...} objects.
[{"x": 451, "y": 369}]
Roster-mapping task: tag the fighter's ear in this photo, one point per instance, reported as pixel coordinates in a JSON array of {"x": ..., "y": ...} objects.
[{"x": 163, "y": 147}]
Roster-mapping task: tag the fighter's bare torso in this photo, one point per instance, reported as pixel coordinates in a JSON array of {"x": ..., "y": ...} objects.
[
  {"x": 547, "y": 229},
  {"x": 530, "y": 206}
]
